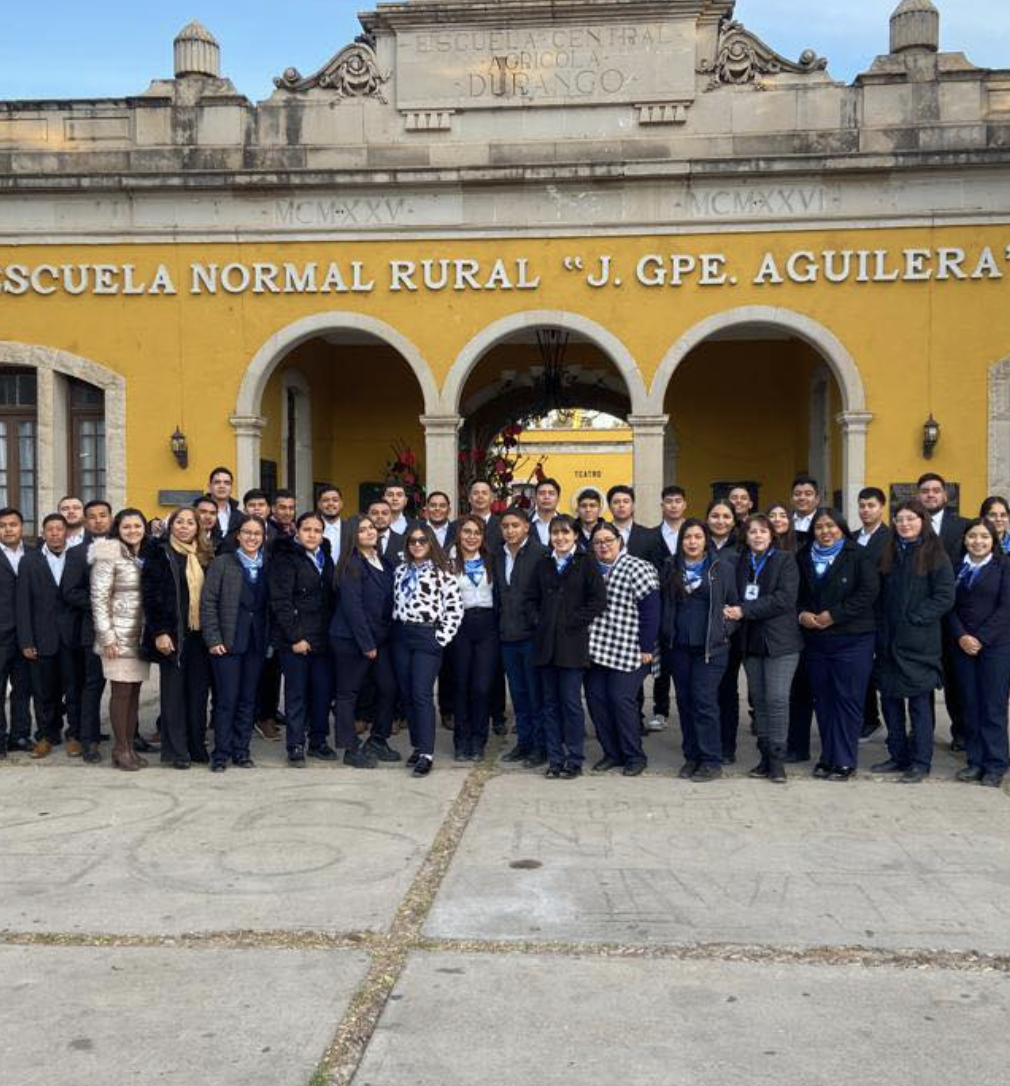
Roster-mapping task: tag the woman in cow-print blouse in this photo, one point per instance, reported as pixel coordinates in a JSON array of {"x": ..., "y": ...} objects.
[{"x": 427, "y": 612}]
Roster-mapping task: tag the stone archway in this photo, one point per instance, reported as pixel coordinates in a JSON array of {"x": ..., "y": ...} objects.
[
  {"x": 50, "y": 365},
  {"x": 854, "y": 418},
  {"x": 648, "y": 430},
  {"x": 248, "y": 420},
  {"x": 999, "y": 428}
]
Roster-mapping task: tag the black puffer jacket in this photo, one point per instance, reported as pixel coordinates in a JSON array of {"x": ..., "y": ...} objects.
[
  {"x": 301, "y": 599},
  {"x": 770, "y": 627},
  {"x": 562, "y": 607}
]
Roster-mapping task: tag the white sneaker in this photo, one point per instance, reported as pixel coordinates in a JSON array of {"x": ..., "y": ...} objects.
[{"x": 656, "y": 724}]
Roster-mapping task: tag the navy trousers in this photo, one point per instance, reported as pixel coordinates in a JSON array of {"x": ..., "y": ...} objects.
[
  {"x": 236, "y": 682},
  {"x": 904, "y": 748},
  {"x": 564, "y": 719},
  {"x": 185, "y": 688},
  {"x": 308, "y": 691},
  {"x": 983, "y": 684},
  {"x": 353, "y": 669},
  {"x": 729, "y": 698},
  {"x": 417, "y": 659},
  {"x": 475, "y": 663},
  {"x": 697, "y": 685},
  {"x": 613, "y": 705},
  {"x": 527, "y": 697},
  {"x": 801, "y": 712},
  {"x": 14, "y": 669},
  {"x": 839, "y": 667},
  {"x": 91, "y": 695},
  {"x": 55, "y": 679}
]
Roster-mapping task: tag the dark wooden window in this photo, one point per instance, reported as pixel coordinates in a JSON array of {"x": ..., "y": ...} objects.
[
  {"x": 18, "y": 443},
  {"x": 86, "y": 447}
]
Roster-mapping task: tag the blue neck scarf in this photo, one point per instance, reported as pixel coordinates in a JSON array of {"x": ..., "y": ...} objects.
[
  {"x": 1005, "y": 543},
  {"x": 563, "y": 561},
  {"x": 905, "y": 545},
  {"x": 412, "y": 576},
  {"x": 251, "y": 567},
  {"x": 969, "y": 571},
  {"x": 318, "y": 557},
  {"x": 694, "y": 573},
  {"x": 474, "y": 569},
  {"x": 823, "y": 557}
]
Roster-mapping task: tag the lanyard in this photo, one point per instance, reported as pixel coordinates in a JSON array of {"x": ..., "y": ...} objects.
[{"x": 757, "y": 567}]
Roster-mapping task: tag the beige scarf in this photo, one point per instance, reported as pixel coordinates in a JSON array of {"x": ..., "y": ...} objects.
[{"x": 194, "y": 579}]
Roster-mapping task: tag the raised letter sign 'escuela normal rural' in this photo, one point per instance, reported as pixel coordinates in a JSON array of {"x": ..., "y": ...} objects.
[{"x": 763, "y": 270}]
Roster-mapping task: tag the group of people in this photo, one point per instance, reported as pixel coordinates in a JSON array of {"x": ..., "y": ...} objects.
[{"x": 361, "y": 619}]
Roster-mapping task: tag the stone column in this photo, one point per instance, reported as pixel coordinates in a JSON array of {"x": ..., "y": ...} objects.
[
  {"x": 441, "y": 455},
  {"x": 854, "y": 425},
  {"x": 649, "y": 432},
  {"x": 248, "y": 435},
  {"x": 46, "y": 493}
]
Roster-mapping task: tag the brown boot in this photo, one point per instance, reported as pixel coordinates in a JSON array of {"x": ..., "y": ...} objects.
[{"x": 123, "y": 755}]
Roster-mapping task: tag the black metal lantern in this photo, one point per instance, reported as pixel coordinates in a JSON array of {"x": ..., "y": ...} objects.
[
  {"x": 930, "y": 436},
  {"x": 180, "y": 450}
]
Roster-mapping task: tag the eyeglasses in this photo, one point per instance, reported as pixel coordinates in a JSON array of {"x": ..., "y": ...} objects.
[
  {"x": 417, "y": 541},
  {"x": 605, "y": 542}
]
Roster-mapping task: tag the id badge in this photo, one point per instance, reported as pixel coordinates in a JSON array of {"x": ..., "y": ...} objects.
[{"x": 751, "y": 592}]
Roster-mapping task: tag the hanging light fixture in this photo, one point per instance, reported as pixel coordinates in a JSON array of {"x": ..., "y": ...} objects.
[
  {"x": 930, "y": 436},
  {"x": 180, "y": 449},
  {"x": 552, "y": 385}
]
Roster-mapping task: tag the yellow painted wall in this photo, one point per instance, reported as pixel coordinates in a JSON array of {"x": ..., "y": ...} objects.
[
  {"x": 576, "y": 471},
  {"x": 919, "y": 346}
]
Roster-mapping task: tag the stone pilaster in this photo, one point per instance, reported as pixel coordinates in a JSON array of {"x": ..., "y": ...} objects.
[
  {"x": 248, "y": 436},
  {"x": 441, "y": 454},
  {"x": 649, "y": 434},
  {"x": 854, "y": 425}
]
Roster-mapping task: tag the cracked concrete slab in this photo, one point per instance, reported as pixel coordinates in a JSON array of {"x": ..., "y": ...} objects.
[
  {"x": 546, "y": 1021},
  {"x": 650, "y": 860},
  {"x": 112, "y": 1016},
  {"x": 164, "y": 853}
]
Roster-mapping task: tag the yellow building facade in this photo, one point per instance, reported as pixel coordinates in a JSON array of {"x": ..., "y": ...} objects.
[{"x": 761, "y": 270}]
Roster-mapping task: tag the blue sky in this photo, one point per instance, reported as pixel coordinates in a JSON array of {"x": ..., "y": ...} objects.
[{"x": 60, "y": 49}]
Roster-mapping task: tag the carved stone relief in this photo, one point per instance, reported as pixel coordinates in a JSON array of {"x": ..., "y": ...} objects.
[
  {"x": 742, "y": 58},
  {"x": 353, "y": 73}
]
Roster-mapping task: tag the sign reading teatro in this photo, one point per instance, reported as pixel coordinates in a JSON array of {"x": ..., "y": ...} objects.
[{"x": 650, "y": 270}]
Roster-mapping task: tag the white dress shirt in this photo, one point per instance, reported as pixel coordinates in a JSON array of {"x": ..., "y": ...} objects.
[
  {"x": 401, "y": 524},
  {"x": 510, "y": 561},
  {"x": 440, "y": 531},
  {"x": 332, "y": 533},
  {"x": 56, "y": 563},
  {"x": 937, "y": 520},
  {"x": 543, "y": 528},
  {"x": 670, "y": 537},
  {"x": 13, "y": 556},
  {"x": 802, "y": 524},
  {"x": 865, "y": 536},
  {"x": 224, "y": 518},
  {"x": 75, "y": 540}
]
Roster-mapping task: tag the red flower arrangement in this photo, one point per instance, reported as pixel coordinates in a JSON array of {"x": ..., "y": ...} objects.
[
  {"x": 500, "y": 464},
  {"x": 403, "y": 469}
]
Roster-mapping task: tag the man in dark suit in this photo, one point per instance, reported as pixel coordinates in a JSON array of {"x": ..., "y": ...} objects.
[
  {"x": 340, "y": 533},
  {"x": 75, "y": 596},
  {"x": 479, "y": 499},
  {"x": 436, "y": 515},
  {"x": 639, "y": 542},
  {"x": 806, "y": 494},
  {"x": 391, "y": 544},
  {"x": 13, "y": 666},
  {"x": 950, "y": 528},
  {"x": 48, "y": 633},
  {"x": 588, "y": 507},
  {"x": 873, "y": 535},
  {"x": 228, "y": 514}
]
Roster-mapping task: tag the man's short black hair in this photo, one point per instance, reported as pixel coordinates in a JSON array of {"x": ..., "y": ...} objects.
[{"x": 874, "y": 493}]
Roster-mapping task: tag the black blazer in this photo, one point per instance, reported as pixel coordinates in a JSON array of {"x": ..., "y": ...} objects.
[
  {"x": 952, "y": 529},
  {"x": 75, "y": 590},
  {"x": 364, "y": 604},
  {"x": 8, "y": 600},
  {"x": 515, "y": 620},
  {"x": 983, "y": 611},
  {"x": 395, "y": 548},
  {"x": 642, "y": 544},
  {"x": 770, "y": 627},
  {"x": 848, "y": 591},
  {"x": 301, "y": 599},
  {"x": 45, "y": 620},
  {"x": 562, "y": 607},
  {"x": 722, "y": 588},
  {"x": 878, "y": 541},
  {"x": 235, "y": 518},
  {"x": 165, "y": 599}
]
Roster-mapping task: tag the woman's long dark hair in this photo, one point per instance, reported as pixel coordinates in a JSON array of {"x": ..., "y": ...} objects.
[
  {"x": 836, "y": 518},
  {"x": 673, "y": 573},
  {"x": 435, "y": 552},
  {"x": 735, "y": 537},
  {"x": 117, "y": 522},
  {"x": 457, "y": 563},
  {"x": 981, "y": 522},
  {"x": 787, "y": 540},
  {"x": 930, "y": 554},
  {"x": 349, "y": 564}
]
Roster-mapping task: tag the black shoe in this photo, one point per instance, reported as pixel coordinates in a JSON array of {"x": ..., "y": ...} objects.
[
  {"x": 957, "y": 746},
  {"x": 822, "y": 771},
  {"x": 776, "y": 763},
  {"x": 296, "y": 757},
  {"x": 476, "y": 755},
  {"x": 3, "y": 747},
  {"x": 705, "y": 773},
  {"x": 381, "y": 751},
  {"x": 359, "y": 759},
  {"x": 535, "y": 760},
  {"x": 181, "y": 763},
  {"x": 841, "y": 772},
  {"x": 499, "y": 727},
  {"x": 605, "y": 765},
  {"x": 868, "y": 730},
  {"x": 91, "y": 755},
  {"x": 687, "y": 770},
  {"x": 218, "y": 767},
  {"x": 569, "y": 772},
  {"x": 448, "y": 722},
  {"x": 141, "y": 745},
  {"x": 324, "y": 752},
  {"x": 201, "y": 757},
  {"x": 412, "y": 760},
  {"x": 729, "y": 759},
  {"x": 635, "y": 769},
  {"x": 423, "y": 766},
  {"x": 19, "y": 744},
  {"x": 554, "y": 771},
  {"x": 243, "y": 761},
  {"x": 969, "y": 773},
  {"x": 461, "y": 756},
  {"x": 913, "y": 775},
  {"x": 991, "y": 780},
  {"x": 794, "y": 758},
  {"x": 890, "y": 766},
  {"x": 103, "y": 738},
  {"x": 760, "y": 771},
  {"x": 516, "y": 754}
]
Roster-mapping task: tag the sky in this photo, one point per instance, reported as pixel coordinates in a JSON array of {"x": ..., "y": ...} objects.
[{"x": 71, "y": 49}]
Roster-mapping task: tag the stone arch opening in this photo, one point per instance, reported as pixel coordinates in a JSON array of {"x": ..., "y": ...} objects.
[
  {"x": 782, "y": 376},
  {"x": 307, "y": 411}
]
